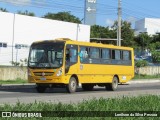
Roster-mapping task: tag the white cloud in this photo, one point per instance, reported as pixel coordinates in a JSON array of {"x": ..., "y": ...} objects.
[
  {"x": 18, "y": 2},
  {"x": 109, "y": 22}
]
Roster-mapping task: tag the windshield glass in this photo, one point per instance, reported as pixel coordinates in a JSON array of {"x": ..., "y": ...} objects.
[{"x": 46, "y": 55}]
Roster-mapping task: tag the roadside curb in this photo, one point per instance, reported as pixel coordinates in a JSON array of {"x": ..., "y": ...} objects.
[
  {"x": 13, "y": 86},
  {"x": 143, "y": 81}
]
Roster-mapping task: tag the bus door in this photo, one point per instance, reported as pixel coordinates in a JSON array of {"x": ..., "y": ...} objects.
[{"x": 71, "y": 56}]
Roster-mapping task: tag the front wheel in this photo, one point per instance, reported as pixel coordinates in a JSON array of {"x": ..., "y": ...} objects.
[
  {"x": 72, "y": 86},
  {"x": 112, "y": 86}
]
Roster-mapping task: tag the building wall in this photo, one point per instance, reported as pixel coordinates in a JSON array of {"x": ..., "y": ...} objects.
[
  {"x": 140, "y": 24},
  {"x": 149, "y": 25},
  {"x": 149, "y": 70},
  {"x": 21, "y": 29},
  {"x": 152, "y": 25},
  {"x": 13, "y": 73}
]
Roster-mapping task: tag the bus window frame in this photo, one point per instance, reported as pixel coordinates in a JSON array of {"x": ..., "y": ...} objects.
[
  {"x": 112, "y": 61},
  {"x": 74, "y": 46},
  {"x": 86, "y": 59},
  {"x": 95, "y": 60}
]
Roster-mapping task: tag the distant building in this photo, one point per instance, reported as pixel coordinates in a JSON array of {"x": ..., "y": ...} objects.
[
  {"x": 17, "y": 32},
  {"x": 149, "y": 25}
]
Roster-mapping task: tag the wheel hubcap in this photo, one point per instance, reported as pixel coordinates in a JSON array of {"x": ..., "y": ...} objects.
[
  {"x": 115, "y": 83},
  {"x": 73, "y": 85}
]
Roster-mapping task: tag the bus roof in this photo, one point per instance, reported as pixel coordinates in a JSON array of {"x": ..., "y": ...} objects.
[{"x": 69, "y": 41}]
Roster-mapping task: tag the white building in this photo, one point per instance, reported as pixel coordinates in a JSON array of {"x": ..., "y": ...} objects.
[
  {"x": 149, "y": 25},
  {"x": 17, "y": 32}
]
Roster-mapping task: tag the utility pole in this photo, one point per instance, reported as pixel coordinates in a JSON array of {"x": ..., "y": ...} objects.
[
  {"x": 13, "y": 37},
  {"x": 119, "y": 23}
]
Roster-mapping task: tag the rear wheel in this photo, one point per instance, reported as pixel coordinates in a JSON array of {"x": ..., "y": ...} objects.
[
  {"x": 40, "y": 89},
  {"x": 87, "y": 87},
  {"x": 112, "y": 86},
  {"x": 72, "y": 86}
]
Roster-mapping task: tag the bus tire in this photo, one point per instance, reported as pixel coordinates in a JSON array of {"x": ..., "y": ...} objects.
[
  {"x": 87, "y": 87},
  {"x": 72, "y": 86},
  {"x": 40, "y": 89},
  {"x": 112, "y": 86}
]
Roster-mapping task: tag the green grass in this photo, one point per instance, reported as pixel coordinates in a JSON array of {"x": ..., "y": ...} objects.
[
  {"x": 17, "y": 81},
  {"x": 146, "y": 76},
  {"x": 141, "y": 103}
]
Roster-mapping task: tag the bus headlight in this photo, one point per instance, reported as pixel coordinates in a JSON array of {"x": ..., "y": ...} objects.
[{"x": 59, "y": 73}]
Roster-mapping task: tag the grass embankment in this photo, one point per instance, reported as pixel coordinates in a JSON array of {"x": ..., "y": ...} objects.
[
  {"x": 146, "y": 77},
  {"x": 17, "y": 81},
  {"x": 141, "y": 103}
]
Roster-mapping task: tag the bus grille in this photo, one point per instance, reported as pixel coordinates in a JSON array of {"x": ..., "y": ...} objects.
[{"x": 43, "y": 73}]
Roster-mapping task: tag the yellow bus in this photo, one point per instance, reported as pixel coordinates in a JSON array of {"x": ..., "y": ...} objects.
[{"x": 67, "y": 63}]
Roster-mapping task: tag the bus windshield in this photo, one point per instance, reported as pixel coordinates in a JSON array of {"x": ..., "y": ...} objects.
[{"x": 46, "y": 55}]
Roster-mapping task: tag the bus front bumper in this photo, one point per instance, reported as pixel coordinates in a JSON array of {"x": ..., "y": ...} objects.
[{"x": 52, "y": 80}]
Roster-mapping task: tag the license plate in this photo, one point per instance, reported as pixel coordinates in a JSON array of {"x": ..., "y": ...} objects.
[{"x": 42, "y": 78}]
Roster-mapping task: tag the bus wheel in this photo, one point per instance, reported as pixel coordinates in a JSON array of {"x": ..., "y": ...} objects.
[
  {"x": 87, "y": 87},
  {"x": 40, "y": 89},
  {"x": 112, "y": 86},
  {"x": 72, "y": 86}
]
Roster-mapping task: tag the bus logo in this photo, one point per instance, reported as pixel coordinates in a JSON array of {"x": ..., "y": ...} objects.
[{"x": 43, "y": 74}]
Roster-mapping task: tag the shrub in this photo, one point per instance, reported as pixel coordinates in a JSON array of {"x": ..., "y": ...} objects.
[
  {"x": 141, "y": 63},
  {"x": 156, "y": 57}
]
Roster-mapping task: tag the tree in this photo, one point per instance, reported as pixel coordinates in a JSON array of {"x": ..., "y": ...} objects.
[
  {"x": 141, "y": 63},
  {"x": 127, "y": 34},
  {"x": 63, "y": 16},
  {"x": 102, "y": 32},
  {"x": 26, "y": 13},
  {"x": 156, "y": 57},
  {"x": 155, "y": 43},
  {"x": 154, "y": 46},
  {"x": 99, "y": 32},
  {"x": 3, "y": 10},
  {"x": 156, "y": 38},
  {"x": 144, "y": 40}
]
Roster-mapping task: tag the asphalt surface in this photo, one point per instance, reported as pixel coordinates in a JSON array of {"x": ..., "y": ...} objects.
[
  {"x": 27, "y": 93},
  {"x": 32, "y": 85}
]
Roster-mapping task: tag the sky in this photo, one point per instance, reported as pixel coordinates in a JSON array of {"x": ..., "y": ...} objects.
[{"x": 132, "y": 10}]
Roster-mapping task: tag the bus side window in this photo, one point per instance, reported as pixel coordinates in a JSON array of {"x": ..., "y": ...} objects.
[
  {"x": 71, "y": 54},
  {"x": 94, "y": 55},
  {"x": 116, "y": 57},
  {"x": 84, "y": 58},
  {"x": 127, "y": 57},
  {"x": 106, "y": 56}
]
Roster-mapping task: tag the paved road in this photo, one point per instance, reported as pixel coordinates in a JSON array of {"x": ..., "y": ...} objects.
[{"x": 28, "y": 95}]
